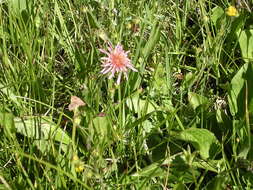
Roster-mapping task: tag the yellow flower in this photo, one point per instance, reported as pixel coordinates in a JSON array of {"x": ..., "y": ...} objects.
[
  {"x": 78, "y": 164},
  {"x": 75, "y": 158},
  {"x": 79, "y": 167},
  {"x": 232, "y": 11}
]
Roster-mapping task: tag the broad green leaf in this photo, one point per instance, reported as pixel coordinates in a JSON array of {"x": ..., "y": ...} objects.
[
  {"x": 236, "y": 88},
  {"x": 18, "y": 5},
  {"x": 223, "y": 121},
  {"x": 197, "y": 100},
  {"x": 202, "y": 140},
  {"x": 42, "y": 145},
  {"x": 189, "y": 79},
  {"x": 100, "y": 124},
  {"x": 41, "y": 128},
  {"x": 180, "y": 171},
  {"x": 217, "y": 13},
  {"x": 7, "y": 122},
  {"x": 245, "y": 38},
  {"x": 220, "y": 115},
  {"x": 237, "y": 92},
  {"x": 136, "y": 104}
]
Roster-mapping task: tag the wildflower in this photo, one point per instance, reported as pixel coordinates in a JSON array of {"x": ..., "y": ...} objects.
[
  {"x": 84, "y": 9},
  {"x": 75, "y": 102},
  {"x": 79, "y": 167},
  {"x": 232, "y": 11},
  {"x": 75, "y": 158},
  {"x": 117, "y": 61},
  {"x": 78, "y": 164}
]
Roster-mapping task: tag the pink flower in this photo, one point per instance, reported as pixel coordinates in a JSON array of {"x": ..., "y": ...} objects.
[{"x": 117, "y": 61}]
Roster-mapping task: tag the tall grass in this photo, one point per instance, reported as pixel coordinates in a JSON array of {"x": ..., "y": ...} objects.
[{"x": 183, "y": 121}]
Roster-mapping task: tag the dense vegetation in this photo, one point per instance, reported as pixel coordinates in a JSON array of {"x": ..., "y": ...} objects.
[{"x": 182, "y": 121}]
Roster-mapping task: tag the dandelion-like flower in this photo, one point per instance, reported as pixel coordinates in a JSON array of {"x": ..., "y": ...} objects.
[
  {"x": 117, "y": 61},
  {"x": 232, "y": 11}
]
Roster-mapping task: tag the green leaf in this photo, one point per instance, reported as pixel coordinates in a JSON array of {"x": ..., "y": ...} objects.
[
  {"x": 245, "y": 38},
  {"x": 179, "y": 186},
  {"x": 139, "y": 121},
  {"x": 136, "y": 105},
  {"x": 7, "y": 122},
  {"x": 189, "y": 80},
  {"x": 217, "y": 13},
  {"x": 210, "y": 165},
  {"x": 160, "y": 81},
  {"x": 148, "y": 126},
  {"x": 197, "y": 100},
  {"x": 153, "y": 38},
  {"x": 7, "y": 91},
  {"x": 18, "y": 5},
  {"x": 153, "y": 170},
  {"x": 237, "y": 92},
  {"x": 157, "y": 145},
  {"x": 236, "y": 88},
  {"x": 100, "y": 124},
  {"x": 180, "y": 171},
  {"x": 202, "y": 140},
  {"x": 217, "y": 183},
  {"x": 41, "y": 128}
]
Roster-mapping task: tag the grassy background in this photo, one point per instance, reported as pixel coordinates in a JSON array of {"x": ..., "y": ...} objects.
[{"x": 183, "y": 121}]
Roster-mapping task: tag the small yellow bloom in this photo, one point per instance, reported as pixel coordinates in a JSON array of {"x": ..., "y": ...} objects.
[
  {"x": 79, "y": 167},
  {"x": 78, "y": 164},
  {"x": 232, "y": 11},
  {"x": 75, "y": 158},
  {"x": 129, "y": 26},
  {"x": 84, "y": 9}
]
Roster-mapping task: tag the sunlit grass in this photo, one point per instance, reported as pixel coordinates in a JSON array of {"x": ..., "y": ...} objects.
[{"x": 182, "y": 121}]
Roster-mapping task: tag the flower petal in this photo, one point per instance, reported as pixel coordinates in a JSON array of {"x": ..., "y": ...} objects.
[
  {"x": 119, "y": 77},
  {"x": 115, "y": 62}
]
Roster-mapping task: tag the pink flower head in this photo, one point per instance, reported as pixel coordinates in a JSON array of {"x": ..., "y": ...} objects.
[{"x": 117, "y": 61}]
